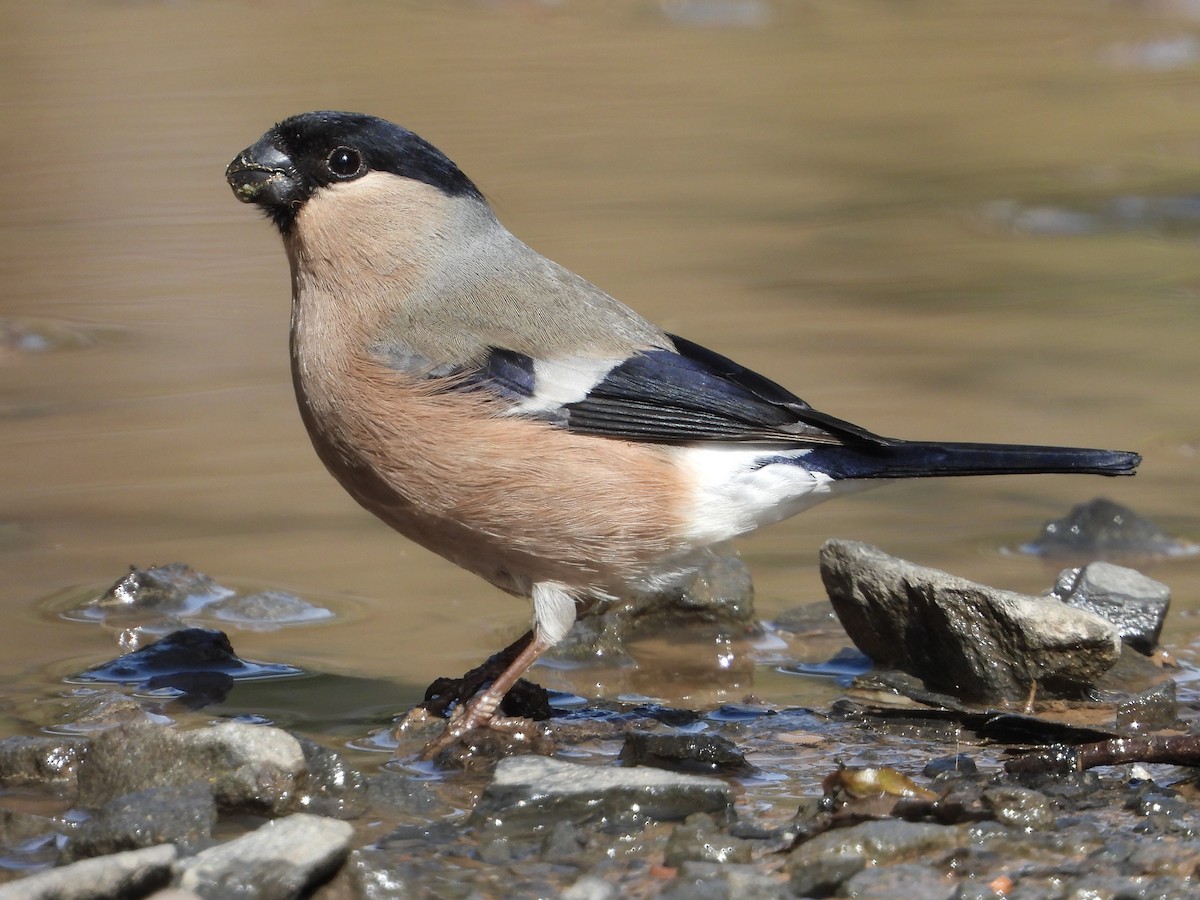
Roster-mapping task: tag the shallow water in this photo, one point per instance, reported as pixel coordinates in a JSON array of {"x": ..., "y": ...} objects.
[{"x": 937, "y": 221}]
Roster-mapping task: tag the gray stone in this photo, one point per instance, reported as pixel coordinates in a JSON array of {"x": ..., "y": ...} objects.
[
  {"x": 819, "y": 866},
  {"x": 529, "y": 792},
  {"x": 39, "y": 760},
  {"x": 132, "y": 874},
  {"x": 278, "y": 861},
  {"x": 184, "y": 815},
  {"x": 1137, "y": 605},
  {"x": 966, "y": 639},
  {"x": 248, "y": 767}
]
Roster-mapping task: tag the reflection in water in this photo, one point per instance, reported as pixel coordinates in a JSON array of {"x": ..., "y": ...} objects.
[{"x": 814, "y": 194}]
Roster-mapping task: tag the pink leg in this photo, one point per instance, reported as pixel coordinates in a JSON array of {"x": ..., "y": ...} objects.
[{"x": 481, "y": 711}]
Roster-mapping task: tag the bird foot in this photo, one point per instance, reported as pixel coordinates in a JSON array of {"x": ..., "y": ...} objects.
[{"x": 474, "y": 717}]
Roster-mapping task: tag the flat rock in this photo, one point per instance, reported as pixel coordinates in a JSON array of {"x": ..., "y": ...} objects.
[
  {"x": 528, "y": 792},
  {"x": 280, "y": 860},
  {"x": 132, "y": 874},
  {"x": 1137, "y": 605},
  {"x": 819, "y": 866},
  {"x": 969, "y": 640}
]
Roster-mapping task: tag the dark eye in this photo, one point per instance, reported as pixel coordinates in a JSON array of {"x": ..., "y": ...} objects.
[{"x": 344, "y": 162}]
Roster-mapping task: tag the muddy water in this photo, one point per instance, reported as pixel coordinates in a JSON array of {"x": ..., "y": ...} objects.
[{"x": 938, "y": 221}]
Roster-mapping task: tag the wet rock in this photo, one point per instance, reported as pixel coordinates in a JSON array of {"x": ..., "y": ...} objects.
[
  {"x": 1102, "y": 529},
  {"x": 903, "y": 880},
  {"x": 699, "y": 838},
  {"x": 39, "y": 760},
  {"x": 266, "y": 610},
  {"x": 98, "y": 709},
  {"x": 175, "y": 588},
  {"x": 950, "y": 766},
  {"x": 1020, "y": 807},
  {"x": 333, "y": 787},
  {"x": 278, "y": 861},
  {"x": 184, "y": 815},
  {"x": 1150, "y": 710},
  {"x": 481, "y": 748},
  {"x": 197, "y": 662},
  {"x": 529, "y": 792},
  {"x": 1137, "y": 605},
  {"x": 973, "y": 641},
  {"x": 820, "y": 866},
  {"x": 705, "y": 754},
  {"x": 399, "y": 794},
  {"x": 247, "y": 767},
  {"x": 132, "y": 874},
  {"x": 738, "y": 881}
]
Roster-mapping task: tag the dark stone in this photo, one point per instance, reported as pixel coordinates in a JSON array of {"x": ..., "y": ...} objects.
[
  {"x": 705, "y": 754},
  {"x": 1137, "y": 605},
  {"x": 197, "y": 662},
  {"x": 950, "y": 766},
  {"x": 1102, "y": 529}
]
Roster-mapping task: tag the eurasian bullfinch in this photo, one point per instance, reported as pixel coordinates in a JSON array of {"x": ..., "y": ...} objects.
[{"x": 505, "y": 413}]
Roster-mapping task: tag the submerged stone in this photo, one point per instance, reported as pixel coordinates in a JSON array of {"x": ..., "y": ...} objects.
[
  {"x": 199, "y": 663},
  {"x": 532, "y": 792},
  {"x": 1103, "y": 529}
]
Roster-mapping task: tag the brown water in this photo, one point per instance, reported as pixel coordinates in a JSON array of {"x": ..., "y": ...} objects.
[{"x": 911, "y": 214}]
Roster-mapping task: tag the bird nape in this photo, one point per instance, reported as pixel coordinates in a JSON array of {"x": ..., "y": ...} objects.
[{"x": 512, "y": 417}]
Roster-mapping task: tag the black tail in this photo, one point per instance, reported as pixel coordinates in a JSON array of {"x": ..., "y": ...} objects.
[{"x": 925, "y": 459}]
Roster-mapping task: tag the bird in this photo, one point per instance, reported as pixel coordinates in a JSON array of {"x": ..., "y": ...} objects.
[{"x": 505, "y": 413}]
